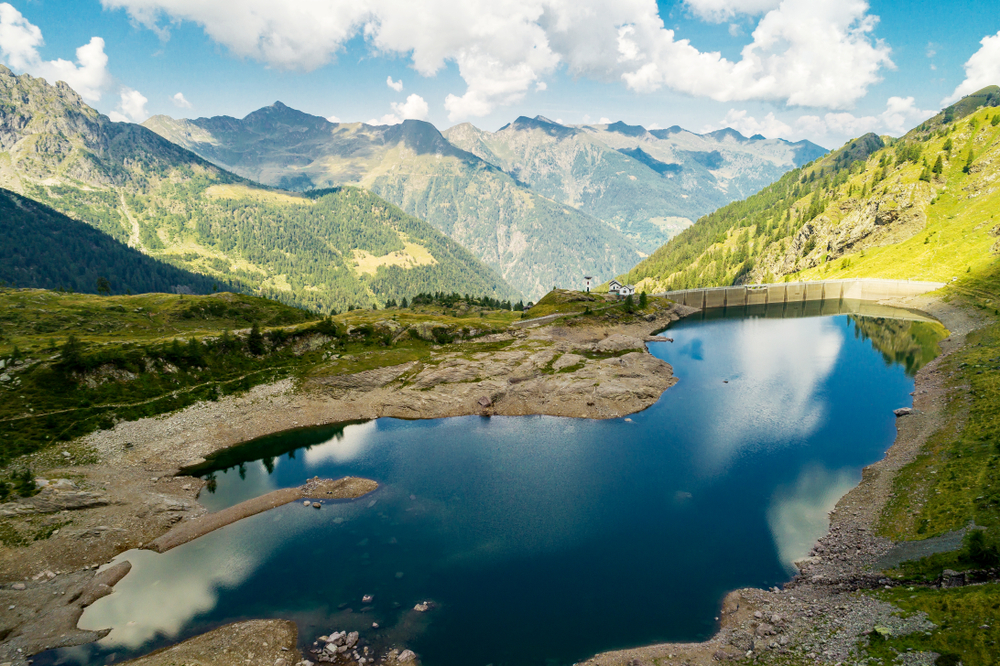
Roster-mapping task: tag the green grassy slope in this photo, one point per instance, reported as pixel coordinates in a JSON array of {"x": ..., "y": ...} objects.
[
  {"x": 71, "y": 364},
  {"x": 40, "y": 247},
  {"x": 955, "y": 483},
  {"x": 874, "y": 208},
  {"x": 331, "y": 250}
]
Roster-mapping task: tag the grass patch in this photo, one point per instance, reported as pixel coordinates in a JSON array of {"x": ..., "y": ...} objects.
[{"x": 967, "y": 619}]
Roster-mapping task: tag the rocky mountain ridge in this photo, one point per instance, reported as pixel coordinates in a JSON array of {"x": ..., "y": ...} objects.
[
  {"x": 541, "y": 203},
  {"x": 532, "y": 241},
  {"x": 648, "y": 184}
]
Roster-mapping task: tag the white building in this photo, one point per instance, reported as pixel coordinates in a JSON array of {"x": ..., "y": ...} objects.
[{"x": 619, "y": 289}]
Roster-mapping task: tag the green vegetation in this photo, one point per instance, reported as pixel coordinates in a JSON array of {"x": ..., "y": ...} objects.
[
  {"x": 967, "y": 619},
  {"x": 956, "y": 479},
  {"x": 40, "y": 247},
  {"x": 73, "y": 363},
  {"x": 327, "y": 251},
  {"x": 919, "y": 207},
  {"x": 953, "y": 484},
  {"x": 531, "y": 241}
]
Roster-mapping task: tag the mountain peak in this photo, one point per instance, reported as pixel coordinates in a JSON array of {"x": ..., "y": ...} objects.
[
  {"x": 627, "y": 130},
  {"x": 727, "y": 133},
  {"x": 550, "y": 127}
]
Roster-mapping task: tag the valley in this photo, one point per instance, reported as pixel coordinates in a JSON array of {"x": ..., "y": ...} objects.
[{"x": 287, "y": 364}]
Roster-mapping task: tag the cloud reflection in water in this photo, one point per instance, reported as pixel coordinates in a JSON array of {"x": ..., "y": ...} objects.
[
  {"x": 797, "y": 515},
  {"x": 775, "y": 372}
]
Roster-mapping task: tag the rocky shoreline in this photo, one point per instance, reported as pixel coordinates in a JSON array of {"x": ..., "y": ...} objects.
[
  {"x": 125, "y": 487},
  {"x": 135, "y": 497},
  {"x": 819, "y": 616}
]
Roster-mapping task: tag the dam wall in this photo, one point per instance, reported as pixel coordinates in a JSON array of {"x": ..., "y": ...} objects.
[{"x": 858, "y": 289}]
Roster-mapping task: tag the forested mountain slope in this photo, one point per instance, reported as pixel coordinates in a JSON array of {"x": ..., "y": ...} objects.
[
  {"x": 42, "y": 248},
  {"x": 329, "y": 250},
  {"x": 531, "y": 241},
  {"x": 919, "y": 207},
  {"x": 649, "y": 184}
]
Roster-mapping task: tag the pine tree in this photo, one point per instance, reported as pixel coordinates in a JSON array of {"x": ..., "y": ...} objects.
[
  {"x": 968, "y": 162},
  {"x": 255, "y": 341},
  {"x": 938, "y": 167}
]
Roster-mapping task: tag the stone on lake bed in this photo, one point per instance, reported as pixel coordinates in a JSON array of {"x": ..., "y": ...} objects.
[
  {"x": 317, "y": 505},
  {"x": 406, "y": 656},
  {"x": 367, "y": 599},
  {"x": 305, "y": 503},
  {"x": 422, "y": 607}
]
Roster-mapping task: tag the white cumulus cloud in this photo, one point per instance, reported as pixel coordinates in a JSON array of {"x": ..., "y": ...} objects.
[
  {"x": 180, "y": 101},
  {"x": 802, "y": 52},
  {"x": 19, "y": 44},
  {"x": 131, "y": 108},
  {"x": 722, "y": 10},
  {"x": 395, "y": 85},
  {"x": 901, "y": 114},
  {"x": 333, "y": 119},
  {"x": 414, "y": 108},
  {"x": 981, "y": 70}
]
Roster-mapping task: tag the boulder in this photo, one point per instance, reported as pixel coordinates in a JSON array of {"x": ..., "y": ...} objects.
[
  {"x": 903, "y": 411},
  {"x": 485, "y": 402},
  {"x": 951, "y": 578},
  {"x": 406, "y": 656},
  {"x": 352, "y": 639}
]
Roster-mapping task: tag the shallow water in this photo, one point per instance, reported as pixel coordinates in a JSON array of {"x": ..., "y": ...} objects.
[{"x": 543, "y": 540}]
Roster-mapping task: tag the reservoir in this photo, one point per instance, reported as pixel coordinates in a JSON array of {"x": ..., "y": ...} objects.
[{"x": 542, "y": 540}]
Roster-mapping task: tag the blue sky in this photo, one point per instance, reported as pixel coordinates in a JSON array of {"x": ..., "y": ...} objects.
[{"x": 825, "y": 70}]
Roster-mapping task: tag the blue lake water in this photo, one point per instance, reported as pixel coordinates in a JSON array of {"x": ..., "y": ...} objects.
[{"x": 544, "y": 540}]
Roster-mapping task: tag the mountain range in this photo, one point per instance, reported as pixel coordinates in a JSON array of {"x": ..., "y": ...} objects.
[
  {"x": 330, "y": 249},
  {"x": 541, "y": 203}
]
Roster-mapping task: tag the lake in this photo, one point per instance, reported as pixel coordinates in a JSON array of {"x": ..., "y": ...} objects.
[{"x": 544, "y": 540}]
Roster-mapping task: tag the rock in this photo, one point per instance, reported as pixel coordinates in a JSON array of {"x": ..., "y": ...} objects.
[
  {"x": 951, "y": 578},
  {"x": 758, "y": 614},
  {"x": 367, "y": 599},
  {"x": 352, "y": 639},
  {"x": 422, "y": 607},
  {"x": 406, "y": 656},
  {"x": 305, "y": 503},
  {"x": 764, "y": 629},
  {"x": 317, "y": 505},
  {"x": 4, "y": 377},
  {"x": 18, "y": 586},
  {"x": 741, "y": 640},
  {"x": 280, "y": 661},
  {"x": 485, "y": 402},
  {"x": 337, "y": 637},
  {"x": 903, "y": 411},
  {"x": 374, "y": 625}
]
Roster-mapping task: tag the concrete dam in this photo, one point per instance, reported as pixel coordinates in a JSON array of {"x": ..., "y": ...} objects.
[{"x": 791, "y": 293}]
